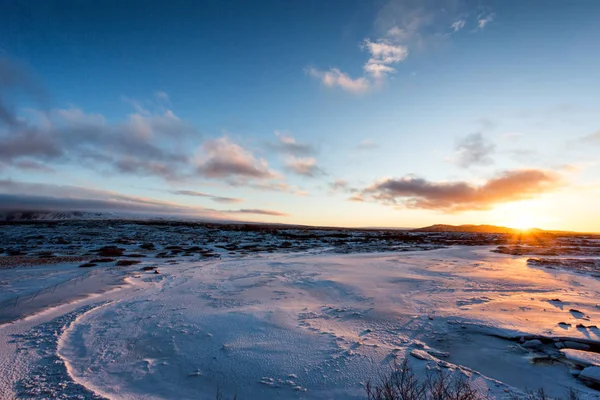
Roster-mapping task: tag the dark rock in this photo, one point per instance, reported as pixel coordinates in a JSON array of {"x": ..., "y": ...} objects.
[
  {"x": 126, "y": 263},
  {"x": 110, "y": 251},
  {"x": 103, "y": 260}
]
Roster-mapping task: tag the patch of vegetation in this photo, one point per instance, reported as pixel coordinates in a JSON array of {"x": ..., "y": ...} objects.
[{"x": 403, "y": 384}]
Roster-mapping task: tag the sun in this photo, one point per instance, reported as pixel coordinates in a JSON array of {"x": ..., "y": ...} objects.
[
  {"x": 523, "y": 227},
  {"x": 521, "y": 222}
]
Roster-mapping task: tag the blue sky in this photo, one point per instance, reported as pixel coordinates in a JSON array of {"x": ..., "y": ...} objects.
[{"x": 353, "y": 113}]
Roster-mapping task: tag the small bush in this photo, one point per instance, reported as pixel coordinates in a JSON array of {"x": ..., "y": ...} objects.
[
  {"x": 219, "y": 395},
  {"x": 540, "y": 394},
  {"x": 403, "y": 384}
]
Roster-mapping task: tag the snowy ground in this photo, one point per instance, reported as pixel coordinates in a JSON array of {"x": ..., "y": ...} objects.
[{"x": 298, "y": 325}]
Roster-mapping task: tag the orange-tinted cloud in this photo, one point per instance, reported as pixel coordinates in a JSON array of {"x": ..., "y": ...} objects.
[
  {"x": 258, "y": 212},
  {"x": 462, "y": 196}
]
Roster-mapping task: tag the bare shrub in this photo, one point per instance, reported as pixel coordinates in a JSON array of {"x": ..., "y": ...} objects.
[
  {"x": 403, "y": 384},
  {"x": 219, "y": 395},
  {"x": 540, "y": 394}
]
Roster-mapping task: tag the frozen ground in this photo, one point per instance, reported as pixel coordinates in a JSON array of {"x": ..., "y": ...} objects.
[{"x": 310, "y": 324}]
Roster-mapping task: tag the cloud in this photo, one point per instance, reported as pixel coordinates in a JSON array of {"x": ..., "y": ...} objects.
[
  {"x": 294, "y": 151},
  {"x": 278, "y": 187},
  {"x": 343, "y": 186},
  {"x": 163, "y": 96},
  {"x": 141, "y": 144},
  {"x": 487, "y": 123},
  {"x": 402, "y": 26},
  {"x": 287, "y": 144},
  {"x": 150, "y": 141},
  {"x": 218, "y": 199},
  {"x": 30, "y": 165},
  {"x": 458, "y": 25},
  {"x": 221, "y": 158},
  {"x": 334, "y": 77},
  {"x": 306, "y": 166},
  {"x": 15, "y": 79},
  {"x": 367, "y": 144},
  {"x": 339, "y": 185},
  {"x": 29, "y": 143},
  {"x": 484, "y": 19},
  {"x": 474, "y": 149},
  {"x": 418, "y": 193},
  {"x": 594, "y": 138},
  {"x": 357, "y": 197},
  {"x": 259, "y": 212},
  {"x": 25, "y": 196},
  {"x": 383, "y": 54}
]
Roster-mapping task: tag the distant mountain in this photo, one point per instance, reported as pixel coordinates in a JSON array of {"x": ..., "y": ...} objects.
[
  {"x": 470, "y": 229},
  {"x": 16, "y": 216}
]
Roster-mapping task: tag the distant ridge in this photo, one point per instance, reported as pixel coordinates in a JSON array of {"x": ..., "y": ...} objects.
[{"x": 471, "y": 229}]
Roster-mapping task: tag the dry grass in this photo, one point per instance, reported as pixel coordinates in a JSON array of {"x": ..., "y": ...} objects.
[{"x": 403, "y": 384}]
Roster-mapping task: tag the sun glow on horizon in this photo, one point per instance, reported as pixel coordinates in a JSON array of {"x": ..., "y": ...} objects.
[
  {"x": 522, "y": 222},
  {"x": 521, "y": 218}
]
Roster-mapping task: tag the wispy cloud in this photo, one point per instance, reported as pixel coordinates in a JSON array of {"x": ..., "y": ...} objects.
[
  {"x": 458, "y": 25},
  {"x": 357, "y": 197},
  {"x": 418, "y": 193},
  {"x": 298, "y": 156},
  {"x": 258, "y": 212},
  {"x": 163, "y": 96},
  {"x": 384, "y": 53},
  {"x": 403, "y": 26},
  {"x": 474, "y": 149},
  {"x": 306, "y": 166},
  {"x": 367, "y": 144},
  {"x": 218, "y": 199},
  {"x": 287, "y": 144},
  {"x": 484, "y": 19},
  {"x": 339, "y": 185},
  {"x": 334, "y": 77},
  {"x": 593, "y": 138}
]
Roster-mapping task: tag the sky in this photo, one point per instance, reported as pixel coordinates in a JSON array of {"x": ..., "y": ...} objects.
[{"x": 395, "y": 113}]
